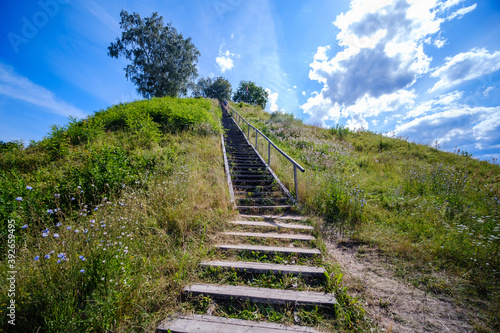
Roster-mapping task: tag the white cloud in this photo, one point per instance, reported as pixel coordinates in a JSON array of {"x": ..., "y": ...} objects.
[
  {"x": 21, "y": 88},
  {"x": 466, "y": 66},
  {"x": 456, "y": 125},
  {"x": 461, "y": 12},
  {"x": 225, "y": 59},
  {"x": 303, "y": 93},
  {"x": 272, "y": 101},
  {"x": 382, "y": 58}
]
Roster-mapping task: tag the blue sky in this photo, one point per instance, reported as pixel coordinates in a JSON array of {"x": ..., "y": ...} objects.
[{"x": 426, "y": 70}]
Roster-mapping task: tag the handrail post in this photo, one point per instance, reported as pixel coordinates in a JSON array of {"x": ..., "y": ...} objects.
[
  {"x": 269, "y": 153},
  {"x": 256, "y": 136},
  {"x": 296, "y": 184}
]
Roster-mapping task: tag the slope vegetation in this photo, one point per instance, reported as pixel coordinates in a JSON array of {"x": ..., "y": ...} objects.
[{"x": 432, "y": 213}]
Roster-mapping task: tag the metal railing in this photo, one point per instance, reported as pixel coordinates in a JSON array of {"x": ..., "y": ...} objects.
[{"x": 239, "y": 119}]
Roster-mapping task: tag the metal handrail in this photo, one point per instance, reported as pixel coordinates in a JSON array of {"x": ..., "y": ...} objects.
[{"x": 270, "y": 143}]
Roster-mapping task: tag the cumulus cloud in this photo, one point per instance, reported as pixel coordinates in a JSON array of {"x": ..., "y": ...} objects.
[
  {"x": 456, "y": 125},
  {"x": 21, "y": 88},
  {"x": 382, "y": 58},
  {"x": 225, "y": 60},
  {"x": 466, "y": 66},
  {"x": 272, "y": 101}
]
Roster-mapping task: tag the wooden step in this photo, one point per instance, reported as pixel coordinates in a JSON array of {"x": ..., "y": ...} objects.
[
  {"x": 273, "y": 235},
  {"x": 274, "y": 224},
  {"x": 212, "y": 324},
  {"x": 263, "y": 295},
  {"x": 263, "y": 208},
  {"x": 264, "y": 268},
  {"x": 269, "y": 249},
  {"x": 274, "y": 217}
]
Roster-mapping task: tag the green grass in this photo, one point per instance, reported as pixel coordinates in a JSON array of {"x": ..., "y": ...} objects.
[
  {"x": 112, "y": 215},
  {"x": 433, "y": 211}
]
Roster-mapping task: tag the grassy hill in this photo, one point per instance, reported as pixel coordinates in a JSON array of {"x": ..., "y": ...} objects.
[
  {"x": 433, "y": 213},
  {"x": 112, "y": 213}
]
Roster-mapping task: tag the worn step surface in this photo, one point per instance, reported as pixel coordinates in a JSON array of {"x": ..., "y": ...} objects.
[
  {"x": 271, "y": 224},
  {"x": 274, "y": 217},
  {"x": 264, "y": 268},
  {"x": 273, "y": 235},
  {"x": 269, "y": 249},
  {"x": 212, "y": 324},
  {"x": 263, "y": 295}
]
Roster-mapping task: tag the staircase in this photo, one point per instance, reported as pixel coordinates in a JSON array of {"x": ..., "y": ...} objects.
[
  {"x": 256, "y": 187},
  {"x": 255, "y": 246}
]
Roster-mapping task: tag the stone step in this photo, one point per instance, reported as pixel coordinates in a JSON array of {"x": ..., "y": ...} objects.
[
  {"x": 273, "y": 235},
  {"x": 262, "y": 295},
  {"x": 271, "y": 224},
  {"x": 212, "y": 324},
  {"x": 269, "y": 249},
  {"x": 256, "y": 187},
  {"x": 264, "y": 268}
]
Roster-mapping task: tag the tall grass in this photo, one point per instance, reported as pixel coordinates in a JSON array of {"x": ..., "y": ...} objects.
[
  {"x": 110, "y": 228},
  {"x": 418, "y": 204}
]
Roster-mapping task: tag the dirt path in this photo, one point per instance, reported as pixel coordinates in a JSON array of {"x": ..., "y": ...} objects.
[{"x": 393, "y": 305}]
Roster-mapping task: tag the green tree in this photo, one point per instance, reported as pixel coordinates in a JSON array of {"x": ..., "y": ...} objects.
[
  {"x": 163, "y": 63},
  {"x": 250, "y": 93},
  {"x": 218, "y": 88}
]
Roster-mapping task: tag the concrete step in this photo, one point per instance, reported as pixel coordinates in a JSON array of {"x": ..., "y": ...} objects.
[
  {"x": 212, "y": 324},
  {"x": 273, "y": 235},
  {"x": 262, "y": 295},
  {"x": 264, "y": 268},
  {"x": 269, "y": 249}
]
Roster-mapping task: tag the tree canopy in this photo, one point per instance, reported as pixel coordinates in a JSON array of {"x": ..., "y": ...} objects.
[
  {"x": 218, "y": 88},
  {"x": 250, "y": 93},
  {"x": 163, "y": 62}
]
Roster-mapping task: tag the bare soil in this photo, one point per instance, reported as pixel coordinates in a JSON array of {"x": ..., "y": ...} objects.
[{"x": 393, "y": 304}]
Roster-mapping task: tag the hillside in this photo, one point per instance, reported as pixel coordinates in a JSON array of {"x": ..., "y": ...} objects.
[
  {"x": 113, "y": 213},
  {"x": 434, "y": 215}
]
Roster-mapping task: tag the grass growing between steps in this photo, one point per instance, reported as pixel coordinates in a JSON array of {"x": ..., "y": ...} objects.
[
  {"x": 432, "y": 213},
  {"x": 111, "y": 216}
]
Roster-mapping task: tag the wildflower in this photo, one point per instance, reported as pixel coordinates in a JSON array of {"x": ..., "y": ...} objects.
[
  {"x": 29, "y": 188},
  {"x": 51, "y": 252},
  {"x": 24, "y": 226},
  {"x": 85, "y": 230},
  {"x": 47, "y": 256},
  {"x": 68, "y": 228},
  {"x": 104, "y": 261},
  {"x": 61, "y": 255},
  {"x": 58, "y": 261},
  {"x": 19, "y": 199},
  {"x": 92, "y": 221},
  {"x": 95, "y": 209},
  {"x": 57, "y": 195},
  {"x": 77, "y": 231},
  {"x": 82, "y": 271},
  {"x": 36, "y": 258},
  {"x": 56, "y": 235},
  {"x": 73, "y": 199},
  {"x": 50, "y": 211},
  {"x": 103, "y": 225},
  {"x": 78, "y": 187},
  {"x": 44, "y": 234},
  {"x": 58, "y": 224},
  {"x": 82, "y": 257},
  {"x": 125, "y": 251}
]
